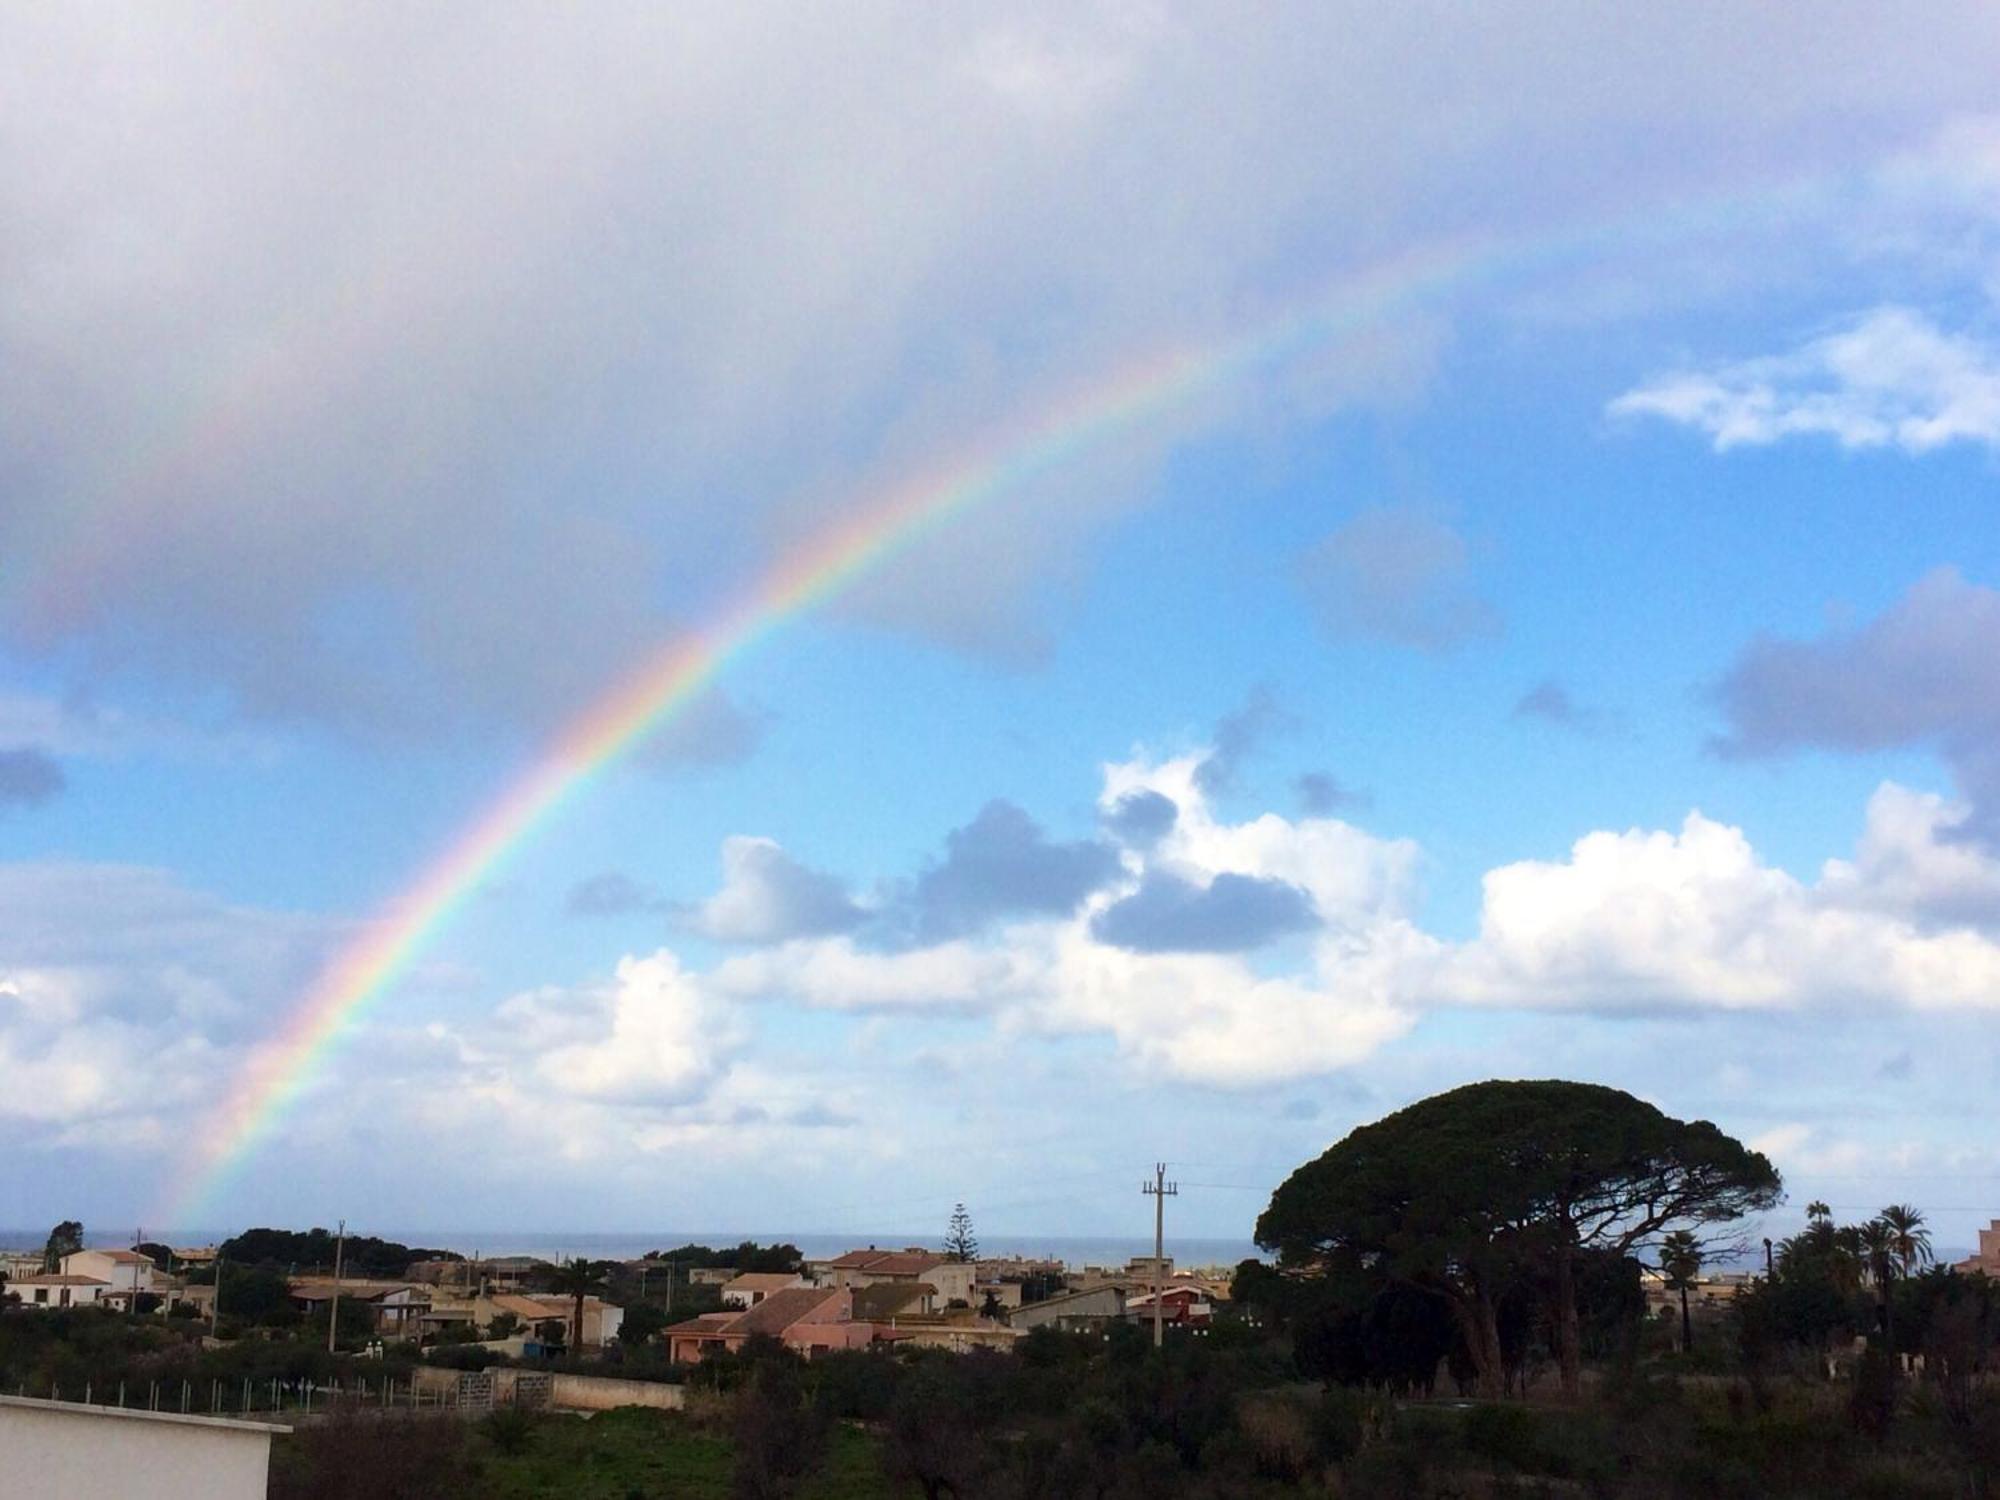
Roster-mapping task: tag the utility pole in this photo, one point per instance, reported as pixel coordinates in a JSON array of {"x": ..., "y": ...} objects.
[
  {"x": 1160, "y": 1190},
  {"x": 333, "y": 1315}
]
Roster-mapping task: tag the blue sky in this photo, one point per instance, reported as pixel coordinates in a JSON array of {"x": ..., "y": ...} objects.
[{"x": 1584, "y": 667}]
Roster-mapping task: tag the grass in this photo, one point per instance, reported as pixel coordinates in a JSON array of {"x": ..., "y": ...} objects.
[{"x": 638, "y": 1454}]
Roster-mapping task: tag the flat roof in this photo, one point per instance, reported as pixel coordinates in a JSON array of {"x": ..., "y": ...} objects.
[{"x": 79, "y": 1409}]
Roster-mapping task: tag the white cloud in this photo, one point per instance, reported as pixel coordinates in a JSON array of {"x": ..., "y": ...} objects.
[
  {"x": 1892, "y": 379},
  {"x": 1693, "y": 919},
  {"x": 652, "y": 1036}
]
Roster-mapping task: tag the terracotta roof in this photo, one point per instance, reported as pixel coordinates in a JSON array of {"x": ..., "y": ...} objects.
[
  {"x": 888, "y": 1262},
  {"x": 761, "y": 1281},
  {"x": 781, "y": 1310},
  {"x": 703, "y": 1323}
]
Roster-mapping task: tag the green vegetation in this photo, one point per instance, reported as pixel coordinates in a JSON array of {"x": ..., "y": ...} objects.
[
  {"x": 292, "y": 1250},
  {"x": 748, "y": 1256}
]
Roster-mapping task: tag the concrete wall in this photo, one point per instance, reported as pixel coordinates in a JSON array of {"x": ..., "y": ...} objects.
[
  {"x": 58, "y": 1450},
  {"x": 567, "y": 1392}
]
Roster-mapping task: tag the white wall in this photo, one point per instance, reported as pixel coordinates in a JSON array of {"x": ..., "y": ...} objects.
[{"x": 58, "y": 1450}]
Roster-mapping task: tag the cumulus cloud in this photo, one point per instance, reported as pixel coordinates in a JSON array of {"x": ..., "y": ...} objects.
[
  {"x": 1694, "y": 919},
  {"x": 125, "y": 995},
  {"x": 1002, "y": 864},
  {"x": 1924, "y": 672},
  {"x": 1231, "y": 914},
  {"x": 29, "y": 777},
  {"x": 1397, "y": 575},
  {"x": 1892, "y": 379},
  {"x": 654, "y": 1035},
  {"x": 767, "y": 897}
]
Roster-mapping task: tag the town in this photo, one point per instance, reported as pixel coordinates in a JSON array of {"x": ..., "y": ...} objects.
[{"x": 1458, "y": 1292}]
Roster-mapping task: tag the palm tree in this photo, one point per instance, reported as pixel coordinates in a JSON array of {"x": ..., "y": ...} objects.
[
  {"x": 1877, "y": 1242},
  {"x": 1680, "y": 1262},
  {"x": 580, "y": 1279},
  {"x": 1912, "y": 1241},
  {"x": 1817, "y": 1209}
]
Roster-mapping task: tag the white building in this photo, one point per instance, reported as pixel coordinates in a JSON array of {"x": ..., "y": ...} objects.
[
  {"x": 126, "y": 1272},
  {"x": 59, "y": 1290},
  {"x": 62, "y": 1450}
]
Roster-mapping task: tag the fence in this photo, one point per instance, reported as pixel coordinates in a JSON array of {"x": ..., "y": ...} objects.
[{"x": 249, "y": 1398}]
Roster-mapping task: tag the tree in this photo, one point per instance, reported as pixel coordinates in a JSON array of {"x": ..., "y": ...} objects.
[
  {"x": 780, "y": 1435},
  {"x": 1473, "y": 1192},
  {"x": 641, "y": 1322},
  {"x": 1680, "y": 1262},
  {"x": 1910, "y": 1241},
  {"x": 162, "y": 1256},
  {"x": 1817, "y": 1210},
  {"x": 959, "y": 1243},
  {"x": 65, "y": 1239},
  {"x": 579, "y": 1279}
]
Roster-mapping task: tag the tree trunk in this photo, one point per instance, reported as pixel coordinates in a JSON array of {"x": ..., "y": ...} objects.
[
  {"x": 1687, "y": 1324},
  {"x": 1569, "y": 1336},
  {"x": 1479, "y": 1326}
]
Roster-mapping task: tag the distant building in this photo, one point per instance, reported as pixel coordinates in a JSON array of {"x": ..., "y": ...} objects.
[
  {"x": 952, "y": 1279},
  {"x": 1089, "y": 1308},
  {"x": 810, "y": 1319},
  {"x": 1184, "y": 1306},
  {"x": 59, "y": 1450},
  {"x": 753, "y": 1287},
  {"x": 128, "y": 1273},
  {"x": 1988, "y": 1258},
  {"x": 394, "y": 1307}
]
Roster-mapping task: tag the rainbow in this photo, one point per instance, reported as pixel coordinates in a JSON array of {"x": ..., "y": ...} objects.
[{"x": 828, "y": 563}]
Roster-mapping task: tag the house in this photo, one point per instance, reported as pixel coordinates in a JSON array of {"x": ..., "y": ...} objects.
[
  {"x": 960, "y": 1332},
  {"x": 58, "y": 1290},
  {"x": 15, "y": 1263},
  {"x": 952, "y": 1279},
  {"x": 1185, "y": 1306},
  {"x": 1089, "y": 1308},
  {"x": 811, "y": 1319},
  {"x": 545, "y": 1317},
  {"x": 1988, "y": 1258},
  {"x": 1005, "y": 1294},
  {"x": 395, "y": 1308},
  {"x": 61, "y": 1450},
  {"x": 128, "y": 1273},
  {"x": 887, "y": 1301},
  {"x": 753, "y": 1287}
]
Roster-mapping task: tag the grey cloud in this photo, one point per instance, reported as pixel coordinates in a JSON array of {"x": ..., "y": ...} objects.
[
  {"x": 1897, "y": 1068},
  {"x": 1322, "y": 794},
  {"x": 1001, "y": 864},
  {"x": 714, "y": 730},
  {"x": 1232, "y": 914},
  {"x": 1924, "y": 672},
  {"x": 768, "y": 897},
  {"x": 1141, "y": 819},
  {"x": 1237, "y": 735},
  {"x": 134, "y": 943},
  {"x": 450, "y": 397},
  {"x": 29, "y": 777},
  {"x": 1549, "y": 701},
  {"x": 1397, "y": 575},
  {"x": 610, "y": 894}
]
